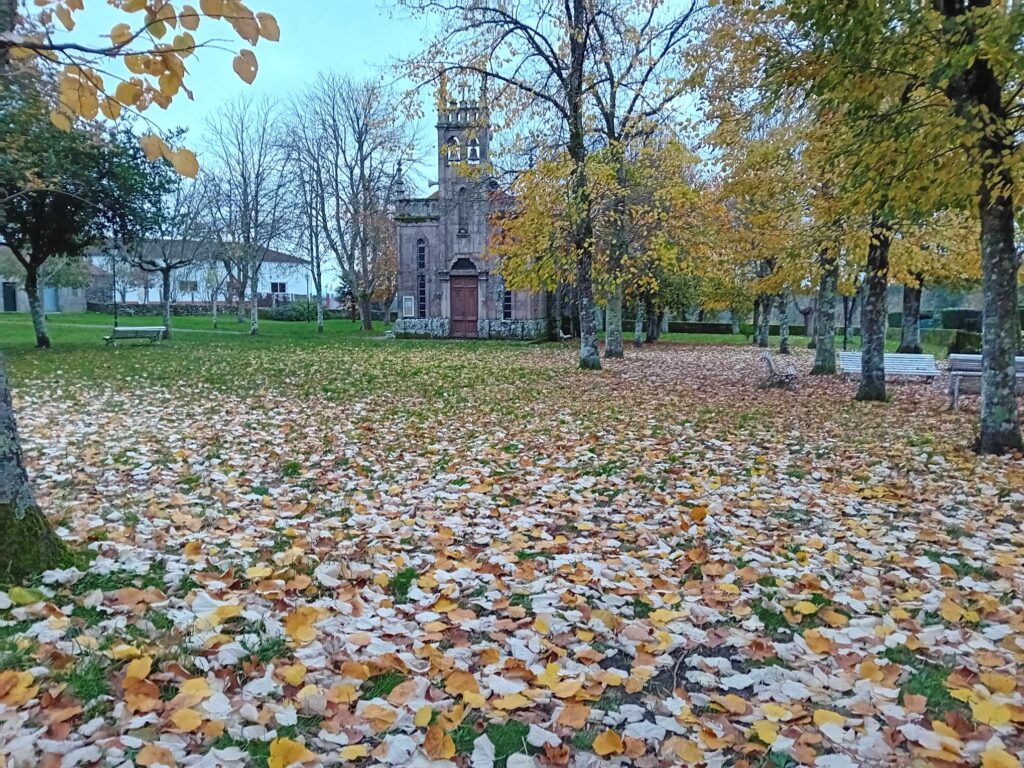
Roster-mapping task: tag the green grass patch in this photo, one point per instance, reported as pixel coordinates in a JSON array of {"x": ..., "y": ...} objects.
[
  {"x": 401, "y": 583},
  {"x": 87, "y": 680},
  {"x": 930, "y": 681},
  {"x": 379, "y": 686}
]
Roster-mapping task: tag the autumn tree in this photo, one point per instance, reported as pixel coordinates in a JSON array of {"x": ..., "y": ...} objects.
[
  {"x": 29, "y": 544},
  {"x": 637, "y": 83},
  {"x": 933, "y": 88}
]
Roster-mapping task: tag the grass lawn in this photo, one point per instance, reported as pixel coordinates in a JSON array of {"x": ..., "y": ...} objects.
[{"x": 406, "y": 552}]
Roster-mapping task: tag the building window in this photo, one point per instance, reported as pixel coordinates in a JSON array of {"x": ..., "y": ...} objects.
[
  {"x": 453, "y": 150},
  {"x": 188, "y": 286},
  {"x": 473, "y": 151},
  {"x": 421, "y": 254},
  {"x": 421, "y": 296},
  {"x": 278, "y": 288},
  {"x": 506, "y": 305},
  {"x": 462, "y": 205},
  {"x": 408, "y": 307}
]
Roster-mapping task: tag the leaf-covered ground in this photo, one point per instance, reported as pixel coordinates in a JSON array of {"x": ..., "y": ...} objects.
[{"x": 472, "y": 555}]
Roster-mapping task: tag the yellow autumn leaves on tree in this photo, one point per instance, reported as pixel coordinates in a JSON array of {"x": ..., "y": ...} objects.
[{"x": 154, "y": 49}]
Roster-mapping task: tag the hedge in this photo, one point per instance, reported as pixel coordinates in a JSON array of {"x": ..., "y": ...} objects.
[
  {"x": 896, "y": 318},
  {"x": 962, "y": 319},
  {"x": 966, "y": 343},
  {"x": 747, "y": 329},
  {"x": 681, "y": 326}
]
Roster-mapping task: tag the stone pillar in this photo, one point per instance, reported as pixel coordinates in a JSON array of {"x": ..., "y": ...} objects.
[
  {"x": 446, "y": 295},
  {"x": 483, "y": 320}
]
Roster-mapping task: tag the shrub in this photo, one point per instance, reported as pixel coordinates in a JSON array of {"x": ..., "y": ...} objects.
[
  {"x": 294, "y": 311},
  {"x": 962, "y": 319},
  {"x": 747, "y": 329}
]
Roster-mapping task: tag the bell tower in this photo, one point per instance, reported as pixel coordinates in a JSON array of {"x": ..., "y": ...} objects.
[{"x": 463, "y": 140}]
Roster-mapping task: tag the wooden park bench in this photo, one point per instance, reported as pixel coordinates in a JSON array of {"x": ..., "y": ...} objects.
[
  {"x": 777, "y": 376},
  {"x": 151, "y": 333},
  {"x": 965, "y": 377},
  {"x": 896, "y": 366}
]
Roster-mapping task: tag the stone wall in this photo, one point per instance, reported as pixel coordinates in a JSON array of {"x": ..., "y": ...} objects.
[
  {"x": 526, "y": 330},
  {"x": 426, "y": 328}
]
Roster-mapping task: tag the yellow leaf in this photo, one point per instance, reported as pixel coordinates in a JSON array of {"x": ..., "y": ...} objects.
[
  {"x": 354, "y": 752},
  {"x": 766, "y": 731},
  {"x": 189, "y": 18},
  {"x": 122, "y": 651},
  {"x": 608, "y": 743},
  {"x": 997, "y": 757},
  {"x": 153, "y": 146},
  {"x": 775, "y": 712},
  {"x": 258, "y": 572},
  {"x": 461, "y": 682},
  {"x": 187, "y": 720},
  {"x": 120, "y": 34},
  {"x": 60, "y": 120},
  {"x": 822, "y": 716},
  {"x": 196, "y": 687},
  {"x": 998, "y": 683},
  {"x": 64, "y": 15},
  {"x": 246, "y": 66},
  {"x": 139, "y": 669},
  {"x": 806, "y": 607},
  {"x": 185, "y": 163},
  {"x": 991, "y": 712},
  {"x": 687, "y": 751},
  {"x": 510, "y": 702},
  {"x": 437, "y": 744},
  {"x": 423, "y": 716},
  {"x": 152, "y": 754},
  {"x": 299, "y": 624},
  {"x": 285, "y": 752},
  {"x": 293, "y": 674},
  {"x": 816, "y": 641},
  {"x": 541, "y": 626}
]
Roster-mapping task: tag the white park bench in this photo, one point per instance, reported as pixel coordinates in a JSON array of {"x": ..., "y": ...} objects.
[
  {"x": 965, "y": 377},
  {"x": 777, "y": 375},
  {"x": 152, "y": 333},
  {"x": 896, "y": 366}
]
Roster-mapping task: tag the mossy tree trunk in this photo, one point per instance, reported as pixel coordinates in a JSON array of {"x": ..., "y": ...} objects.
[
  {"x": 35, "y": 305},
  {"x": 873, "y": 317},
  {"x": 638, "y": 327},
  {"x": 910, "y": 332},
  {"x": 764, "y": 322},
  {"x": 165, "y": 277},
  {"x": 825, "y": 318},
  {"x": 783, "y": 309},
  {"x": 28, "y": 544}
]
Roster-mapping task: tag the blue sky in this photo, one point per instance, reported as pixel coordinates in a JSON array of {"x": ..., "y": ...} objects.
[{"x": 361, "y": 38}]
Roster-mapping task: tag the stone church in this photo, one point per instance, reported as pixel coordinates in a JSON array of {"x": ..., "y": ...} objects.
[{"x": 448, "y": 282}]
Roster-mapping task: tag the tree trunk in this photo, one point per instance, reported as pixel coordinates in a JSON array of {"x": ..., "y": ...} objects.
[
  {"x": 254, "y": 306},
  {"x": 364, "y": 313},
  {"x": 215, "y": 311},
  {"x": 755, "y": 337},
  {"x": 638, "y": 328},
  {"x": 651, "y": 322},
  {"x": 352, "y": 305},
  {"x": 873, "y": 318},
  {"x": 241, "y": 303},
  {"x": 783, "y": 324},
  {"x": 764, "y": 322},
  {"x": 165, "y": 275},
  {"x": 734, "y": 318},
  {"x": 613, "y": 344},
  {"x": 28, "y": 545},
  {"x": 849, "y": 307},
  {"x": 320, "y": 310},
  {"x": 825, "y": 319},
  {"x": 35, "y": 306},
  {"x": 910, "y": 332},
  {"x": 1000, "y": 422}
]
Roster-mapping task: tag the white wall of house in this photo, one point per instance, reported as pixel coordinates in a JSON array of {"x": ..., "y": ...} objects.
[{"x": 195, "y": 283}]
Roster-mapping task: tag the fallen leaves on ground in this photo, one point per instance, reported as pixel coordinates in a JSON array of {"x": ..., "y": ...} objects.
[{"x": 509, "y": 563}]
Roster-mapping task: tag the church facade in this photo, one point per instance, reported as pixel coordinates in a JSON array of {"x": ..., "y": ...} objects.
[{"x": 448, "y": 281}]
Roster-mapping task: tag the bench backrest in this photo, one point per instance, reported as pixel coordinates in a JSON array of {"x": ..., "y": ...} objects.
[
  {"x": 972, "y": 364},
  {"x": 894, "y": 363}
]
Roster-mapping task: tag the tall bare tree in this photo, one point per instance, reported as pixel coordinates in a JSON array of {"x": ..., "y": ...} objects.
[
  {"x": 537, "y": 55},
  {"x": 248, "y": 185},
  {"x": 177, "y": 239},
  {"x": 349, "y": 140}
]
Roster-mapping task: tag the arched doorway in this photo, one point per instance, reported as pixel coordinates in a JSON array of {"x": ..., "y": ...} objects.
[{"x": 464, "y": 299}]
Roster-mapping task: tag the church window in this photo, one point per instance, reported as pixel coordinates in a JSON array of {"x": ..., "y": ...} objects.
[
  {"x": 421, "y": 254},
  {"x": 463, "y": 211},
  {"x": 506, "y": 305},
  {"x": 421, "y": 296}
]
